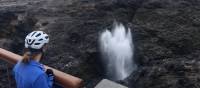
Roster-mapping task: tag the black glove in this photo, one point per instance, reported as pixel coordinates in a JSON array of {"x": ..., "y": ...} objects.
[{"x": 50, "y": 74}]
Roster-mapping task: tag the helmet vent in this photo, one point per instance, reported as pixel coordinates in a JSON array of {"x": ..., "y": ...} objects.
[
  {"x": 33, "y": 34},
  {"x": 38, "y": 35},
  {"x": 46, "y": 37},
  {"x": 29, "y": 42},
  {"x": 40, "y": 39},
  {"x": 37, "y": 43}
]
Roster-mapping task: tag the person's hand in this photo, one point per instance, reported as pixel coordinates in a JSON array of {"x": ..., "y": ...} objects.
[{"x": 50, "y": 74}]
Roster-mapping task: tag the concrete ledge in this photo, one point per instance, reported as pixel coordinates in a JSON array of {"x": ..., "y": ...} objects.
[{"x": 109, "y": 84}]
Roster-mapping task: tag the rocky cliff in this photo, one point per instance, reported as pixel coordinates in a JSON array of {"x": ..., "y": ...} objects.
[{"x": 165, "y": 33}]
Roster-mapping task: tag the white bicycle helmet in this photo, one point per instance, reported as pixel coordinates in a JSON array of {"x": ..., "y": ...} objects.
[{"x": 36, "y": 40}]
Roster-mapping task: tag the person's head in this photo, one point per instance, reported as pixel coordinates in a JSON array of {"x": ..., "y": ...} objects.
[{"x": 35, "y": 43}]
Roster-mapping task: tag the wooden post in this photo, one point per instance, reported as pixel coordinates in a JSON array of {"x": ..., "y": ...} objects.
[{"x": 66, "y": 80}]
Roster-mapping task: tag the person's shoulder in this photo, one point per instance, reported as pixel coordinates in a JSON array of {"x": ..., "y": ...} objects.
[
  {"x": 30, "y": 68},
  {"x": 37, "y": 70}
]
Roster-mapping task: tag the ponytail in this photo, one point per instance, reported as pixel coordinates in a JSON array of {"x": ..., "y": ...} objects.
[
  {"x": 26, "y": 57},
  {"x": 30, "y": 54}
]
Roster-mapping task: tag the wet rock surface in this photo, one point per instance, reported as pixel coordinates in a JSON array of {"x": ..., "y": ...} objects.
[
  {"x": 167, "y": 44},
  {"x": 165, "y": 32}
]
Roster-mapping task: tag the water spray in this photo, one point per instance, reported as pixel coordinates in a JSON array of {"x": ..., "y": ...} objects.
[{"x": 117, "y": 52}]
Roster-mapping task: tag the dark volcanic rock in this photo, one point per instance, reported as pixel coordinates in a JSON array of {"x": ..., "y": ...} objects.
[
  {"x": 73, "y": 26},
  {"x": 167, "y": 41},
  {"x": 165, "y": 33}
]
